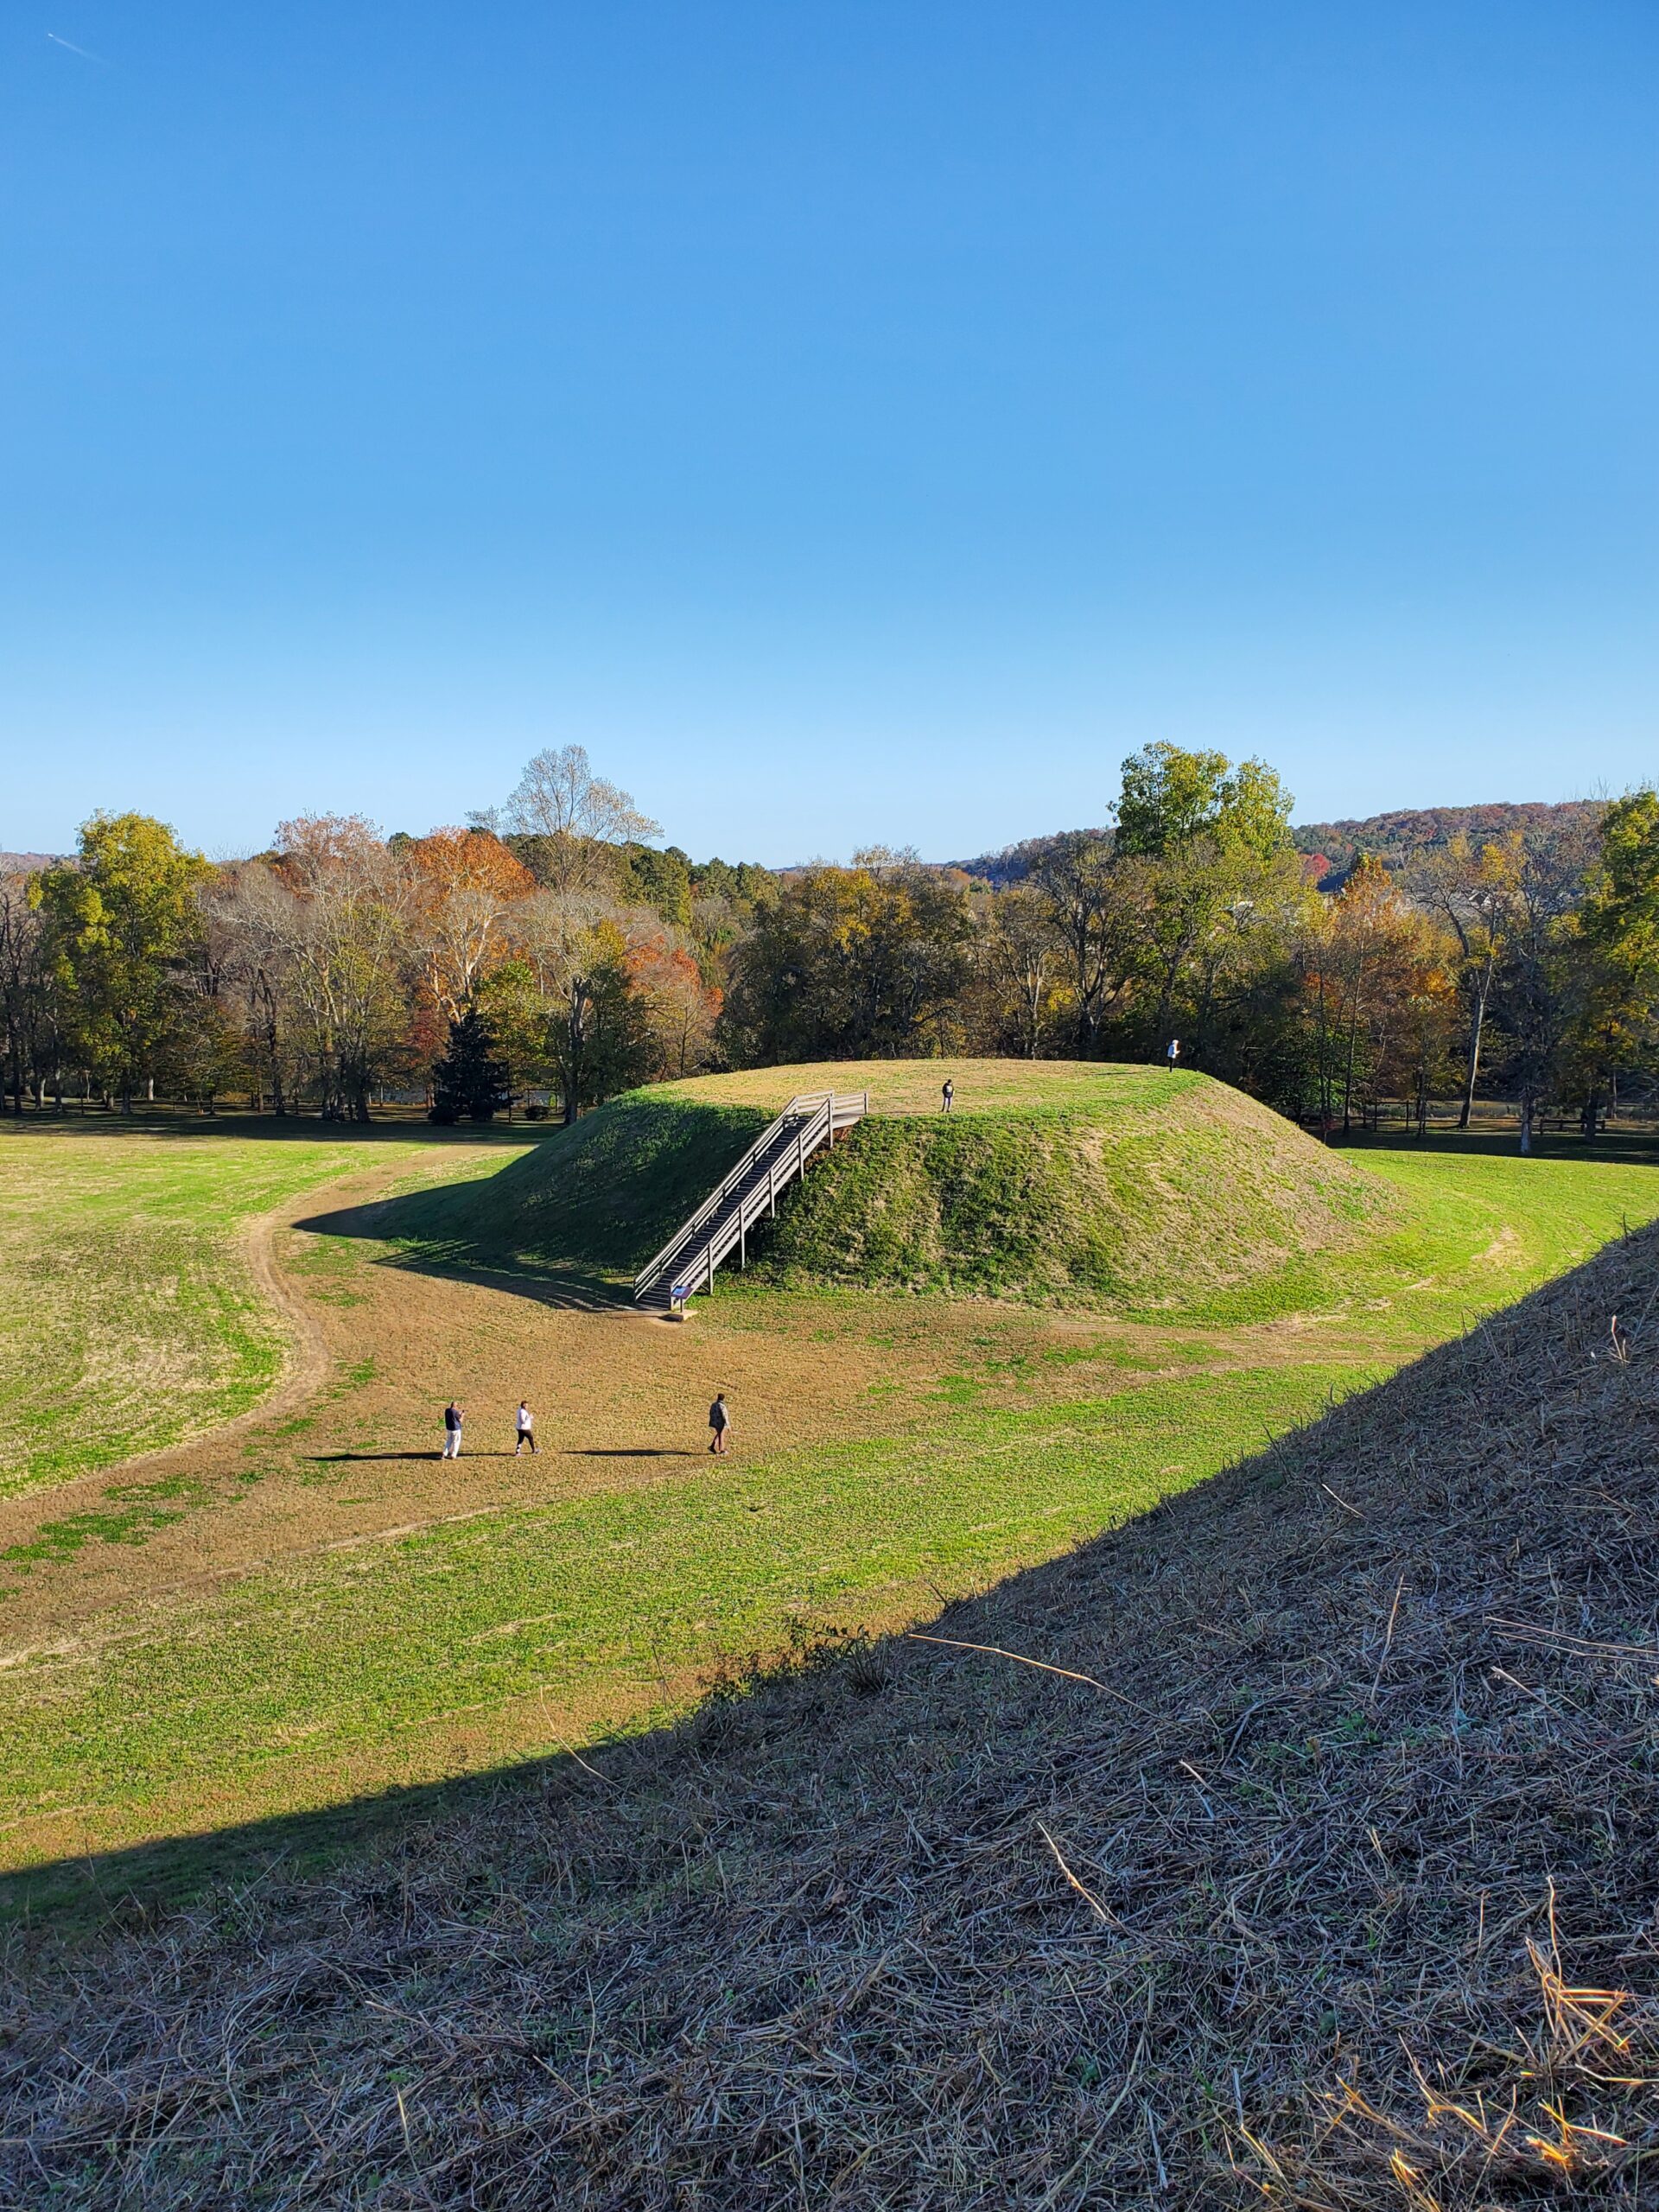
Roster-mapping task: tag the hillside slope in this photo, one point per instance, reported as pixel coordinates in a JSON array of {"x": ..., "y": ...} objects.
[
  {"x": 1147, "y": 1190},
  {"x": 1321, "y": 1874}
]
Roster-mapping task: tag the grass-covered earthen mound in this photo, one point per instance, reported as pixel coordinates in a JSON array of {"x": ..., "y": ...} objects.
[
  {"x": 1294, "y": 1845},
  {"x": 1137, "y": 1186}
]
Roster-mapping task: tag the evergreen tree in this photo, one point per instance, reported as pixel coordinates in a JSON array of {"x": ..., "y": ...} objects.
[{"x": 468, "y": 1080}]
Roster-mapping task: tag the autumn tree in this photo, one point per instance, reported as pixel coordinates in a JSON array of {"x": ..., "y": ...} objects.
[
  {"x": 27, "y": 1026},
  {"x": 1473, "y": 892},
  {"x": 571, "y": 824},
  {"x": 1372, "y": 978},
  {"x": 254, "y": 926},
  {"x": 346, "y": 942},
  {"x": 595, "y": 1035},
  {"x": 1543, "y": 984},
  {"x": 463, "y": 885},
  {"x": 1022, "y": 955},
  {"x": 680, "y": 1009}
]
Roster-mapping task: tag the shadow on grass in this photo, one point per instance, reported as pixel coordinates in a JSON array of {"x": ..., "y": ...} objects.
[
  {"x": 420, "y": 1229},
  {"x": 338, "y": 1459},
  {"x": 629, "y": 1451}
]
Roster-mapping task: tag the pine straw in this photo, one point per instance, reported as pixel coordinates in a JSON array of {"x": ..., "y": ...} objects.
[{"x": 1323, "y": 1876}]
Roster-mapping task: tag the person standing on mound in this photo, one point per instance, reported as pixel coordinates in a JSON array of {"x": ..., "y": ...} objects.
[
  {"x": 720, "y": 1420},
  {"x": 452, "y": 1421},
  {"x": 525, "y": 1429}
]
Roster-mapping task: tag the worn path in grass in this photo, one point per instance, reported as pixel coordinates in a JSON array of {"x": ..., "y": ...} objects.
[
  {"x": 303, "y": 1609},
  {"x": 140, "y": 1304}
]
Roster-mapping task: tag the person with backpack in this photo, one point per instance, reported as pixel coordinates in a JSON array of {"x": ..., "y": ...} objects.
[{"x": 720, "y": 1420}]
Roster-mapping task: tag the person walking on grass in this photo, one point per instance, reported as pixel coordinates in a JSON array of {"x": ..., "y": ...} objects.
[
  {"x": 452, "y": 1421},
  {"x": 720, "y": 1420},
  {"x": 525, "y": 1431},
  {"x": 949, "y": 1095}
]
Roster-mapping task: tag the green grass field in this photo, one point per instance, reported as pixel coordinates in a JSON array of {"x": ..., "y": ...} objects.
[
  {"x": 131, "y": 1318},
  {"x": 450, "y": 1646}
]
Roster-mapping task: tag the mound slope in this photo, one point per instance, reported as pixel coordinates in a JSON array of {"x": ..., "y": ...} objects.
[
  {"x": 1324, "y": 1877},
  {"x": 1133, "y": 1186}
]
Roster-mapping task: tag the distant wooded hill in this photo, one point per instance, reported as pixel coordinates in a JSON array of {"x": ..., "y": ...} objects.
[
  {"x": 1400, "y": 835},
  {"x": 26, "y": 863},
  {"x": 1395, "y": 838}
]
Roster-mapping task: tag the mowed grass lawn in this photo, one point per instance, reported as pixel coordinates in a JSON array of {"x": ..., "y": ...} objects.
[
  {"x": 450, "y": 1648},
  {"x": 130, "y": 1318}
]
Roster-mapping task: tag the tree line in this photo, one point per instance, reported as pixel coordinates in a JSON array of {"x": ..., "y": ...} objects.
[
  {"x": 552, "y": 946},
  {"x": 339, "y": 965}
]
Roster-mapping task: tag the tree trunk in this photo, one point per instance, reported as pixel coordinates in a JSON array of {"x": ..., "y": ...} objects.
[{"x": 1477, "y": 1023}]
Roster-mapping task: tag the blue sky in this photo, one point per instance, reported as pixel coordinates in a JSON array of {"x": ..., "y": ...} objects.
[{"x": 851, "y": 421}]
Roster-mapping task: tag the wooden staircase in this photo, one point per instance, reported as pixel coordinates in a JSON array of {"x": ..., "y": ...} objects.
[{"x": 721, "y": 1224}]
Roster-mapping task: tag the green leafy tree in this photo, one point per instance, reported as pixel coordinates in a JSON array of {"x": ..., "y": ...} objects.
[
  {"x": 1171, "y": 796},
  {"x": 122, "y": 921},
  {"x": 852, "y": 963},
  {"x": 660, "y": 880},
  {"x": 1223, "y": 885},
  {"x": 1096, "y": 905},
  {"x": 517, "y": 1015}
]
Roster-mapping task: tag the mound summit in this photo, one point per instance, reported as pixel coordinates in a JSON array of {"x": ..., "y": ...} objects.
[{"x": 1147, "y": 1189}]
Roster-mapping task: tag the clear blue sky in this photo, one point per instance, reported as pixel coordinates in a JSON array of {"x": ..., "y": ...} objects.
[{"x": 860, "y": 421}]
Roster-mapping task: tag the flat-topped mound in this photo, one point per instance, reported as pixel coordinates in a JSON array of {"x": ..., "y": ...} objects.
[
  {"x": 911, "y": 1087},
  {"x": 1147, "y": 1190}
]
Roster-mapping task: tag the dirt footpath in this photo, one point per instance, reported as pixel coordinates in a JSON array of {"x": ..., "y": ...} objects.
[{"x": 346, "y": 1451}]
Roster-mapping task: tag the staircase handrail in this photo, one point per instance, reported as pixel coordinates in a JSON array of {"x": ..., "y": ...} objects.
[
  {"x": 824, "y": 1113},
  {"x": 711, "y": 1205}
]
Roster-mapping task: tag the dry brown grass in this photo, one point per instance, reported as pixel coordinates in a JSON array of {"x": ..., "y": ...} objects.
[{"x": 1315, "y": 1866}]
